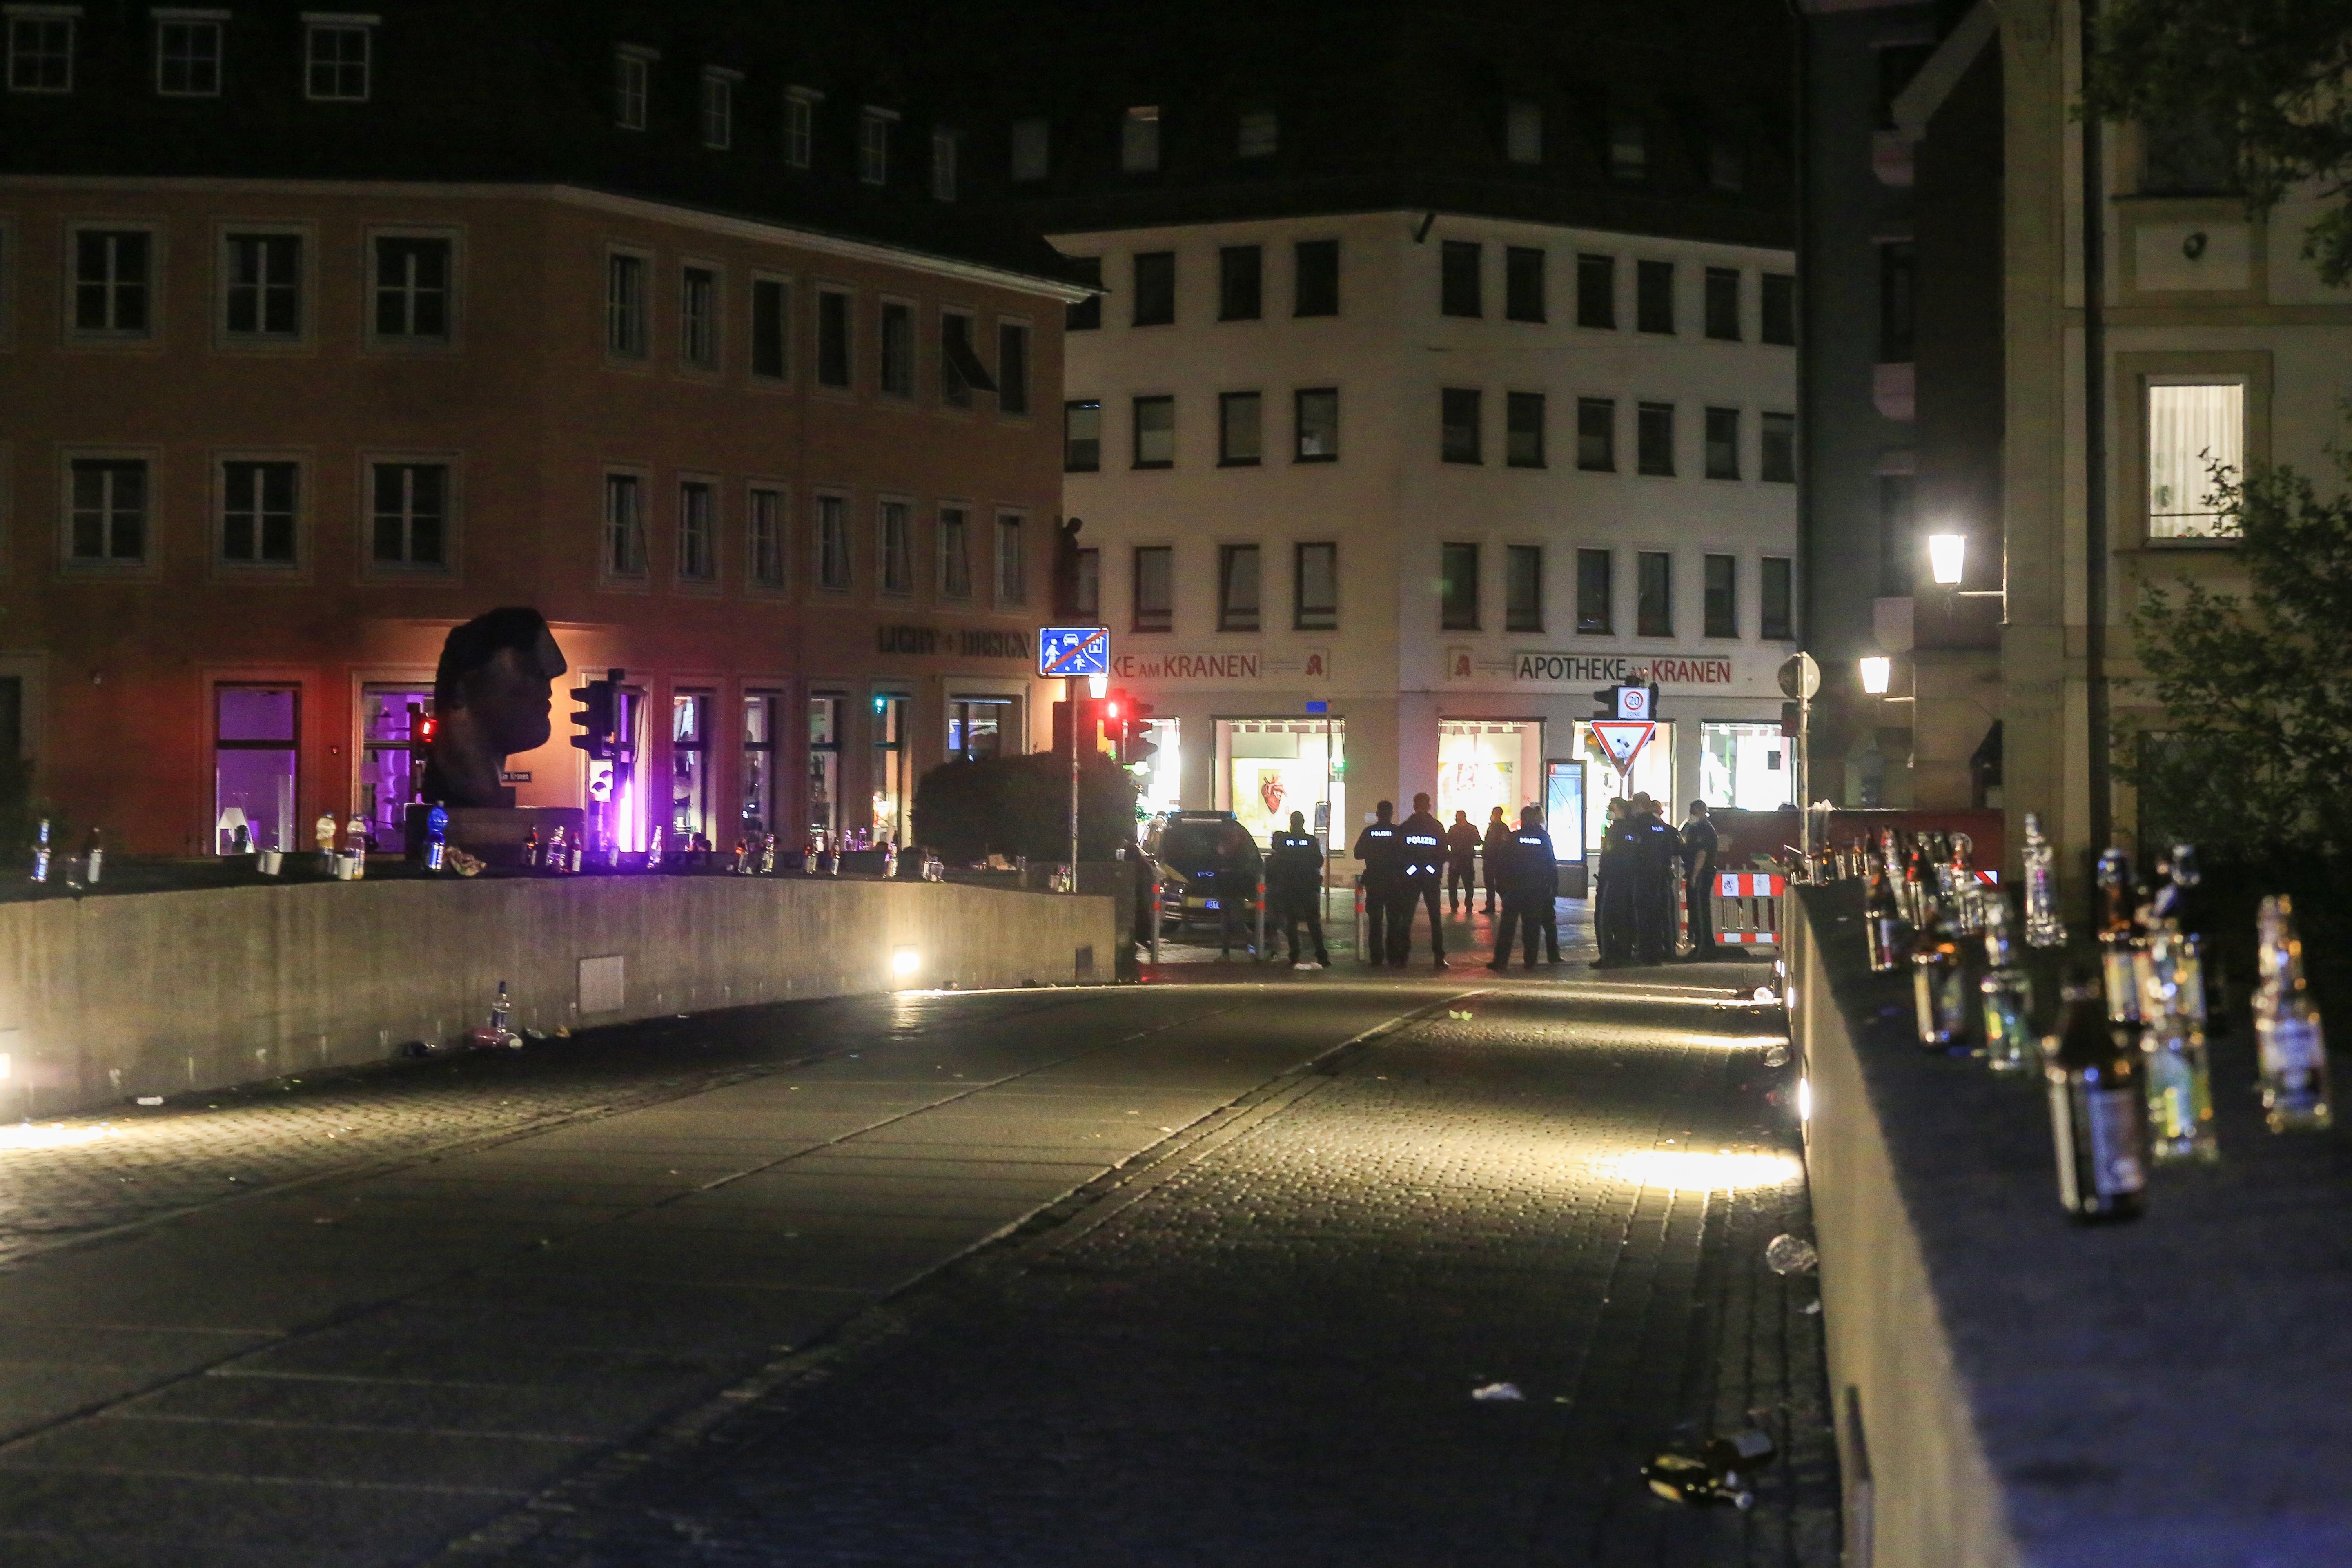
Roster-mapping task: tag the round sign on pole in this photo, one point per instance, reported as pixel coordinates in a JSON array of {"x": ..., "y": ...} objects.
[
  {"x": 1801, "y": 678},
  {"x": 1632, "y": 702}
]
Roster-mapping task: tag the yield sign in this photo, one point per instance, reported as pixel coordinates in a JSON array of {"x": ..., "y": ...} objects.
[{"x": 1624, "y": 739}]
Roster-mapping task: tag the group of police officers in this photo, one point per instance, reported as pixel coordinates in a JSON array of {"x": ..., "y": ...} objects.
[{"x": 1407, "y": 864}]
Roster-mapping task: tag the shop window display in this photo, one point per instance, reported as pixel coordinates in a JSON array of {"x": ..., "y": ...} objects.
[{"x": 1273, "y": 767}]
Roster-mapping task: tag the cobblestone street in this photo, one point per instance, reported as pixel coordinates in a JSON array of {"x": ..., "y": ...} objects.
[{"x": 1197, "y": 1273}]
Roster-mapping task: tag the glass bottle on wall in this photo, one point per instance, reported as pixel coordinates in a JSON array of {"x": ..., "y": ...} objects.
[
  {"x": 2292, "y": 1046},
  {"x": 2097, "y": 1114}
]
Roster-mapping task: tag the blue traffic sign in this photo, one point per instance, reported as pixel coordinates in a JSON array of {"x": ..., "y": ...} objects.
[{"x": 1072, "y": 650}]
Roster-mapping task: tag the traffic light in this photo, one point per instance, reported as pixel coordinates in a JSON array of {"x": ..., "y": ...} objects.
[
  {"x": 1604, "y": 702},
  {"x": 1134, "y": 732},
  {"x": 596, "y": 715},
  {"x": 1626, "y": 702}
]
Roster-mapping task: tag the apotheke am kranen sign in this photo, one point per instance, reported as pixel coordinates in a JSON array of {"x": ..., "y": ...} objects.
[{"x": 1621, "y": 668}]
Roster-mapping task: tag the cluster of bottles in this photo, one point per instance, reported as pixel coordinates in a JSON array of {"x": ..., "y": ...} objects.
[
  {"x": 80, "y": 871},
  {"x": 2128, "y": 1071}
]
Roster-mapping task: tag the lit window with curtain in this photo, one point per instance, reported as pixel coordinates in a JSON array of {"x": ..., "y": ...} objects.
[
  {"x": 689, "y": 767},
  {"x": 2193, "y": 429}
]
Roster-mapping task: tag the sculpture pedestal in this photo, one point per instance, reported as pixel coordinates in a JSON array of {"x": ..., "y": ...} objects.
[{"x": 496, "y": 834}]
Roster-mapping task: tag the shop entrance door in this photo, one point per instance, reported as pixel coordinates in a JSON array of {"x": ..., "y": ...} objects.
[{"x": 1483, "y": 763}]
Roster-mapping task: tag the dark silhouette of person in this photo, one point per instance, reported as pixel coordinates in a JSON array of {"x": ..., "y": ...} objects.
[
  {"x": 1424, "y": 839},
  {"x": 1613, "y": 900},
  {"x": 1294, "y": 882},
  {"x": 1496, "y": 850},
  {"x": 1530, "y": 886},
  {"x": 1701, "y": 848},
  {"x": 1461, "y": 863},
  {"x": 1235, "y": 881},
  {"x": 1656, "y": 847},
  {"x": 1380, "y": 846},
  {"x": 492, "y": 696}
]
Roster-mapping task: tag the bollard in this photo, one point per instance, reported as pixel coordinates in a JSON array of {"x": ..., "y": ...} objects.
[
  {"x": 1258, "y": 951},
  {"x": 1359, "y": 918},
  {"x": 1156, "y": 918}
]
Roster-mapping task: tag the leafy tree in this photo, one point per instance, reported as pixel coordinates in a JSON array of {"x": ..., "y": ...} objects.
[
  {"x": 966, "y": 811},
  {"x": 2269, "y": 74}
]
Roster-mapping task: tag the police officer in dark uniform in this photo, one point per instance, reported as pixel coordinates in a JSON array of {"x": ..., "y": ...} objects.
[
  {"x": 1380, "y": 848},
  {"x": 1294, "y": 880},
  {"x": 1530, "y": 884},
  {"x": 1425, "y": 871},
  {"x": 1702, "y": 846},
  {"x": 1614, "y": 919},
  {"x": 1461, "y": 848},
  {"x": 1656, "y": 848}
]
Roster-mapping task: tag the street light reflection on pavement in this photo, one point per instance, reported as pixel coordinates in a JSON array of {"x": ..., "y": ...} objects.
[
  {"x": 1717, "y": 1172},
  {"x": 55, "y": 1136}
]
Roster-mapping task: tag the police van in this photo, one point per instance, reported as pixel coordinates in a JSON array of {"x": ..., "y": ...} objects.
[{"x": 1207, "y": 860}]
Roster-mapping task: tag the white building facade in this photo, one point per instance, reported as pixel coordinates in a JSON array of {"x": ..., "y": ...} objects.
[{"x": 1374, "y": 503}]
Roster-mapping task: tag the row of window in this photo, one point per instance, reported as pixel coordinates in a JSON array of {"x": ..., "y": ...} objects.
[
  {"x": 260, "y": 514},
  {"x": 947, "y": 566},
  {"x": 1315, "y": 590},
  {"x": 1462, "y": 289},
  {"x": 892, "y": 332},
  {"x": 265, "y": 295},
  {"x": 190, "y": 55},
  {"x": 1315, "y": 433}
]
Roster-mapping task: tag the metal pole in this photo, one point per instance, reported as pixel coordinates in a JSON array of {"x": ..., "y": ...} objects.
[
  {"x": 1155, "y": 919},
  {"x": 1804, "y": 771},
  {"x": 1258, "y": 953},
  {"x": 2095, "y": 463},
  {"x": 1072, "y": 686}
]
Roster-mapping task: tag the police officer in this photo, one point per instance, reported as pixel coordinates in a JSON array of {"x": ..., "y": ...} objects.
[
  {"x": 1380, "y": 848},
  {"x": 1613, "y": 918},
  {"x": 1294, "y": 880},
  {"x": 1461, "y": 864},
  {"x": 1656, "y": 848},
  {"x": 1701, "y": 849},
  {"x": 1530, "y": 883},
  {"x": 1234, "y": 880},
  {"x": 1495, "y": 849},
  {"x": 1424, "y": 838}
]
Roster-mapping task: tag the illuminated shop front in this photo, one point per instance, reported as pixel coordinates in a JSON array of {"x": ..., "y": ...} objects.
[
  {"x": 1268, "y": 768},
  {"x": 889, "y": 781},
  {"x": 1749, "y": 766},
  {"x": 1160, "y": 778},
  {"x": 1485, "y": 763},
  {"x": 255, "y": 758},
  {"x": 1653, "y": 775},
  {"x": 391, "y": 768}
]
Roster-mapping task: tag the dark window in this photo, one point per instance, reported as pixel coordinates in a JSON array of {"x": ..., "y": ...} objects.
[
  {"x": 1237, "y": 588},
  {"x": 1596, "y": 292},
  {"x": 832, "y": 339},
  {"x": 1315, "y": 588},
  {"x": 1315, "y": 288},
  {"x": 2186, "y": 154},
  {"x": 1654, "y": 595},
  {"x": 1723, "y": 595},
  {"x": 1155, "y": 432},
  {"x": 1629, "y": 150},
  {"x": 1085, "y": 315},
  {"x": 1723, "y": 443},
  {"x": 258, "y": 513},
  {"x": 1316, "y": 425},
  {"x": 1781, "y": 308},
  {"x": 1596, "y": 435},
  {"x": 1241, "y": 427},
  {"x": 1654, "y": 296},
  {"x": 1523, "y": 283},
  {"x": 834, "y": 568},
  {"x": 1082, "y": 435},
  {"x": 770, "y": 312},
  {"x": 41, "y": 54},
  {"x": 625, "y": 525},
  {"x": 265, "y": 285},
  {"x": 1779, "y": 621},
  {"x": 1592, "y": 592},
  {"x": 411, "y": 514},
  {"x": 1240, "y": 272},
  {"x": 1012, "y": 368},
  {"x": 955, "y": 555},
  {"x": 1155, "y": 288},
  {"x": 895, "y": 367},
  {"x": 1458, "y": 440},
  {"x": 1523, "y": 429},
  {"x": 698, "y": 318},
  {"x": 1155, "y": 587},
  {"x": 110, "y": 511},
  {"x": 411, "y": 288},
  {"x": 1088, "y": 601},
  {"x": 111, "y": 281},
  {"x": 1723, "y": 303},
  {"x": 1895, "y": 545},
  {"x": 1780, "y": 451},
  {"x": 1523, "y": 588},
  {"x": 1653, "y": 438},
  {"x": 1895, "y": 302},
  {"x": 1458, "y": 267},
  {"x": 626, "y": 333},
  {"x": 961, "y": 373},
  {"x": 1458, "y": 587}
]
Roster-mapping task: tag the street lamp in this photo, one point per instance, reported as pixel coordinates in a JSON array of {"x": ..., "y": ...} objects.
[
  {"x": 1098, "y": 684},
  {"x": 1946, "y": 555},
  {"x": 1876, "y": 672}
]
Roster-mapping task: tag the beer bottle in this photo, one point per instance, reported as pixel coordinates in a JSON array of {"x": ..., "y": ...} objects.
[
  {"x": 2008, "y": 993},
  {"x": 1937, "y": 991},
  {"x": 2292, "y": 1046},
  {"x": 1888, "y": 933},
  {"x": 2119, "y": 936},
  {"x": 2098, "y": 1116}
]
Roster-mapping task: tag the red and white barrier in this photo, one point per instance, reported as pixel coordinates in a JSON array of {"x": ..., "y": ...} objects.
[{"x": 1748, "y": 908}]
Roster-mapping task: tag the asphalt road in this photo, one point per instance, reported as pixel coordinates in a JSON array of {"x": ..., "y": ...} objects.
[{"x": 1192, "y": 1272}]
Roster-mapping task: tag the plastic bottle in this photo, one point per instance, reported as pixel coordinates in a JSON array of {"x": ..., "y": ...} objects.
[
  {"x": 2043, "y": 928},
  {"x": 436, "y": 838},
  {"x": 355, "y": 833}
]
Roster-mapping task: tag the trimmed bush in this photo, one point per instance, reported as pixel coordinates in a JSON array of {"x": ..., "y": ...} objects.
[{"x": 1021, "y": 805}]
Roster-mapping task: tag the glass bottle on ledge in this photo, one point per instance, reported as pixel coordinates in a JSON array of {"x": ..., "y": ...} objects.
[
  {"x": 2119, "y": 936},
  {"x": 43, "y": 852},
  {"x": 1938, "y": 994},
  {"x": 2287, "y": 1032},
  {"x": 2008, "y": 993},
  {"x": 1888, "y": 933},
  {"x": 2097, "y": 1113},
  {"x": 2179, "y": 1074},
  {"x": 2043, "y": 928}
]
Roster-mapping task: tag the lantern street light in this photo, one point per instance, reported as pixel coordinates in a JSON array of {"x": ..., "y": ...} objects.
[
  {"x": 1876, "y": 673},
  {"x": 1946, "y": 553}
]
